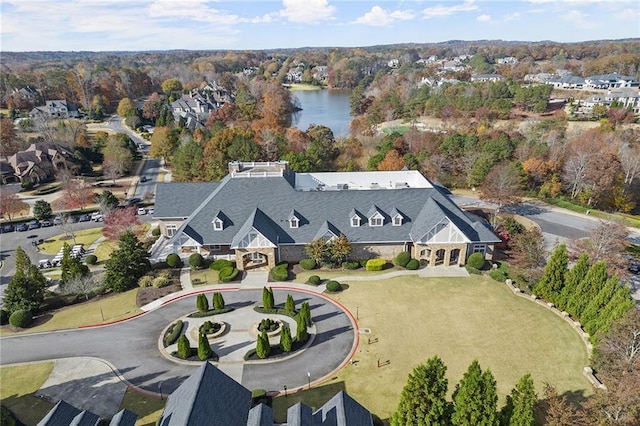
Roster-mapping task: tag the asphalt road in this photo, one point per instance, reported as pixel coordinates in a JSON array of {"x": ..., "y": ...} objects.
[{"x": 132, "y": 346}]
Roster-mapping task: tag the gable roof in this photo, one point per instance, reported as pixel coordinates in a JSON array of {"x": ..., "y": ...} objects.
[
  {"x": 259, "y": 222},
  {"x": 342, "y": 410},
  {"x": 124, "y": 418},
  {"x": 180, "y": 199},
  {"x": 65, "y": 414},
  {"x": 260, "y": 415},
  {"x": 195, "y": 403}
]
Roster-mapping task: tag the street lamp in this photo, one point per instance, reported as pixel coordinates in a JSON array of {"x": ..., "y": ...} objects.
[
  {"x": 309, "y": 379},
  {"x": 285, "y": 391}
]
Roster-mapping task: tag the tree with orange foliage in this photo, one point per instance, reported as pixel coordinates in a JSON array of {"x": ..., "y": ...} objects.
[{"x": 392, "y": 161}]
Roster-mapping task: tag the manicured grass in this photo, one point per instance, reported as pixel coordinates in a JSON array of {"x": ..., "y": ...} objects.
[
  {"x": 206, "y": 277},
  {"x": 412, "y": 319},
  {"x": 314, "y": 398},
  {"x": 328, "y": 274},
  {"x": 104, "y": 249},
  {"x": 86, "y": 237},
  {"x": 18, "y": 383},
  {"x": 105, "y": 309},
  {"x": 299, "y": 86},
  {"x": 147, "y": 408}
]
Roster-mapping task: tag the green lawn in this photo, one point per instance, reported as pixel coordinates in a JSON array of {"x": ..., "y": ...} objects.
[
  {"x": 327, "y": 274},
  {"x": 86, "y": 237},
  {"x": 204, "y": 276},
  {"x": 104, "y": 249},
  {"x": 18, "y": 384},
  {"x": 105, "y": 309},
  {"x": 147, "y": 408},
  {"x": 412, "y": 319}
]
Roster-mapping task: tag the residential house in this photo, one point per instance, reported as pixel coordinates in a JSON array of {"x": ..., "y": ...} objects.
[
  {"x": 58, "y": 108},
  {"x": 507, "y": 60},
  {"x": 195, "y": 107},
  {"x": 541, "y": 77},
  {"x": 262, "y": 213},
  {"x": 487, "y": 77},
  {"x": 210, "y": 397},
  {"x": 393, "y": 63},
  {"x": 567, "y": 81},
  {"x": 63, "y": 414},
  {"x": 40, "y": 162},
  {"x": 21, "y": 98},
  {"x": 320, "y": 73},
  {"x": 610, "y": 81},
  {"x": 626, "y": 97}
]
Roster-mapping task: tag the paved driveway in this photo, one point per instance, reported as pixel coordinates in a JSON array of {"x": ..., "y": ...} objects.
[{"x": 132, "y": 346}]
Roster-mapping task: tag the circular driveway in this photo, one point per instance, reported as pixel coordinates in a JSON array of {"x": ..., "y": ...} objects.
[{"x": 132, "y": 346}]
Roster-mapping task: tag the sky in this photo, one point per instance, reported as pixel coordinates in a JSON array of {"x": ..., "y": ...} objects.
[{"x": 134, "y": 25}]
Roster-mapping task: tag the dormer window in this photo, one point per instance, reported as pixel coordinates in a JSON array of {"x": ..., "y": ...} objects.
[
  {"x": 217, "y": 224},
  {"x": 376, "y": 220},
  {"x": 294, "y": 222},
  {"x": 355, "y": 221},
  {"x": 397, "y": 220}
]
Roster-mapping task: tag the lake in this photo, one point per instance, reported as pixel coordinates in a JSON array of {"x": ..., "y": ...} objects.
[{"x": 323, "y": 107}]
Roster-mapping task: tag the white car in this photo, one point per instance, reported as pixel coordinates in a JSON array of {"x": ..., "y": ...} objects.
[
  {"x": 151, "y": 210},
  {"x": 142, "y": 211},
  {"x": 97, "y": 217}
]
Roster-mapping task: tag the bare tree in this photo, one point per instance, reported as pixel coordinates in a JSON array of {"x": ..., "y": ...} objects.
[
  {"x": 607, "y": 242},
  {"x": 575, "y": 171},
  {"x": 629, "y": 157},
  {"x": 11, "y": 204}
]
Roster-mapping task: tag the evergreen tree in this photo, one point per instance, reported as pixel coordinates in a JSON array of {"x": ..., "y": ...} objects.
[
  {"x": 290, "y": 304},
  {"x": 204, "y": 348},
  {"x": 285, "y": 339},
  {"x": 184, "y": 348},
  {"x": 42, "y": 210},
  {"x": 71, "y": 267},
  {"x": 587, "y": 289},
  {"x": 27, "y": 286},
  {"x": 301, "y": 329},
  {"x": 267, "y": 298},
  {"x": 218, "y": 301},
  {"x": 202, "y": 304},
  {"x": 550, "y": 285},
  {"x": 423, "y": 399},
  {"x": 263, "y": 348},
  {"x": 518, "y": 410},
  {"x": 475, "y": 398},
  {"x": 571, "y": 280},
  {"x": 621, "y": 302},
  {"x": 591, "y": 315},
  {"x": 305, "y": 313},
  {"x": 126, "y": 264}
]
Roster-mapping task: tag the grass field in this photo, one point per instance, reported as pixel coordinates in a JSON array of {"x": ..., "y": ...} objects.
[
  {"x": 300, "y": 86},
  {"x": 105, "y": 309},
  {"x": 17, "y": 387},
  {"x": 412, "y": 319},
  {"x": 205, "y": 276},
  {"x": 104, "y": 249},
  {"x": 86, "y": 237},
  {"x": 147, "y": 408}
]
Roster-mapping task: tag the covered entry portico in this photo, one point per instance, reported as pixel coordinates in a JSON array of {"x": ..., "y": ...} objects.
[{"x": 247, "y": 259}]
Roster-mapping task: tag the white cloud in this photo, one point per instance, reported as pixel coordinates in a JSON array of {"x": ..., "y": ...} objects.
[
  {"x": 512, "y": 16},
  {"x": 484, "y": 18},
  {"x": 579, "y": 19},
  {"x": 437, "y": 11},
  {"x": 197, "y": 10},
  {"x": 307, "y": 10},
  {"x": 378, "y": 16},
  {"x": 628, "y": 15}
]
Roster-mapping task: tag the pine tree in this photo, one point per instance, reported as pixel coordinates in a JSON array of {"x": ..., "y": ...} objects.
[
  {"x": 285, "y": 339},
  {"x": 204, "y": 348},
  {"x": 263, "y": 348},
  {"x": 126, "y": 264},
  {"x": 587, "y": 289},
  {"x": 218, "y": 301},
  {"x": 301, "y": 329},
  {"x": 423, "y": 399},
  {"x": 202, "y": 304},
  {"x": 267, "y": 298},
  {"x": 591, "y": 315},
  {"x": 572, "y": 278},
  {"x": 475, "y": 398},
  {"x": 290, "y": 304},
  {"x": 621, "y": 302},
  {"x": 550, "y": 285},
  {"x": 305, "y": 312},
  {"x": 27, "y": 286},
  {"x": 184, "y": 348},
  {"x": 518, "y": 410}
]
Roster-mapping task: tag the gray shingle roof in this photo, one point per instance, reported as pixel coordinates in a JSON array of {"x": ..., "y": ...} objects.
[
  {"x": 124, "y": 418},
  {"x": 179, "y": 199},
  {"x": 260, "y": 415},
  {"x": 65, "y": 414},
  {"x": 299, "y": 415},
  {"x": 342, "y": 410},
  {"x": 274, "y": 197},
  {"x": 207, "y": 397}
]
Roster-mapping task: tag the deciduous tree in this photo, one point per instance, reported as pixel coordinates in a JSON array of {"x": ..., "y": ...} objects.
[
  {"x": 120, "y": 221},
  {"x": 11, "y": 204},
  {"x": 126, "y": 108},
  {"x": 76, "y": 194}
]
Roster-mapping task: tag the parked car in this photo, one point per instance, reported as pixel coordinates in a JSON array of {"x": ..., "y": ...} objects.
[
  {"x": 151, "y": 210},
  {"x": 46, "y": 223},
  {"x": 44, "y": 264},
  {"x": 57, "y": 220},
  {"x": 34, "y": 224},
  {"x": 22, "y": 227},
  {"x": 132, "y": 201},
  {"x": 97, "y": 217},
  {"x": 7, "y": 228},
  {"x": 142, "y": 211},
  {"x": 74, "y": 219},
  {"x": 84, "y": 218},
  {"x": 143, "y": 179}
]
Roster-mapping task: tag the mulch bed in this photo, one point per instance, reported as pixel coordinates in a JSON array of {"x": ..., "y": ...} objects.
[{"x": 149, "y": 294}]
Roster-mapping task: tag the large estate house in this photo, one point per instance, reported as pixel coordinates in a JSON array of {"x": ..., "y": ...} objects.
[{"x": 263, "y": 213}]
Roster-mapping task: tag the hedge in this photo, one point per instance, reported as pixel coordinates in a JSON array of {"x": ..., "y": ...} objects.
[
  {"x": 279, "y": 273},
  {"x": 227, "y": 274},
  {"x": 21, "y": 318},
  {"x": 155, "y": 232},
  {"x": 499, "y": 275},
  {"x": 476, "y": 260},
  {"x": 333, "y": 286},
  {"x": 350, "y": 265},
  {"x": 172, "y": 333},
  {"x": 403, "y": 258},
  {"x": 218, "y": 264},
  {"x": 413, "y": 264},
  {"x": 307, "y": 264},
  {"x": 174, "y": 261},
  {"x": 375, "y": 264},
  {"x": 91, "y": 259},
  {"x": 196, "y": 261},
  {"x": 315, "y": 280}
]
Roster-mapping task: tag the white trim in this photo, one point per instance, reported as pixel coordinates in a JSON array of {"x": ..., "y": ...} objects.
[
  {"x": 218, "y": 225},
  {"x": 376, "y": 219},
  {"x": 397, "y": 220},
  {"x": 355, "y": 221},
  {"x": 294, "y": 222}
]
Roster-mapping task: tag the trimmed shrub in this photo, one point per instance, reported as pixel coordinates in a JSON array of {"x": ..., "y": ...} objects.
[
  {"x": 263, "y": 348},
  {"x": 184, "y": 348},
  {"x": 413, "y": 264},
  {"x": 161, "y": 281},
  {"x": 499, "y": 275},
  {"x": 403, "y": 258},
  {"x": 350, "y": 265},
  {"x": 333, "y": 286},
  {"x": 4, "y": 317},
  {"x": 267, "y": 298},
  {"x": 196, "y": 261},
  {"x": 305, "y": 313},
  {"x": 172, "y": 333},
  {"x": 204, "y": 348},
  {"x": 307, "y": 264},
  {"x": 290, "y": 304},
  {"x": 155, "y": 232},
  {"x": 258, "y": 393},
  {"x": 286, "y": 342},
  {"x": 363, "y": 262},
  {"x": 219, "y": 264},
  {"x": 21, "y": 318},
  {"x": 145, "y": 281},
  {"x": 315, "y": 280},
  {"x": 218, "y": 301},
  {"x": 91, "y": 259},
  {"x": 302, "y": 335},
  {"x": 174, "y": 261},
  {"x": 202, "y": 304},
  {"x": 227, "y": 274},
  {"x": 268, "y": 325},
  {"x": 375, "y": 264},
  {"x": 473, "y": 270},
  {"x": 476, "y": 260},
  {"x": 279, "y": 273}
]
